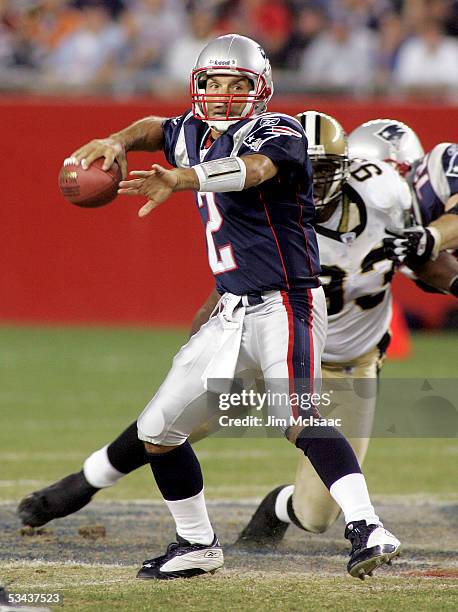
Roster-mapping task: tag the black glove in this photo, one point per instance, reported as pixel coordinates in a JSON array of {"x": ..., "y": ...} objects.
[{"x": 412, "y": 246}]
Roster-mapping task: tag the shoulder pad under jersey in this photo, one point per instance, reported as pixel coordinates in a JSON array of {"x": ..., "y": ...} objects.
[{"x": 382, "y": 189}]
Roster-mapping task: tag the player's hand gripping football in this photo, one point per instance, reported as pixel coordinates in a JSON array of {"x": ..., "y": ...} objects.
[
  {"x": 156, "y": 184},
  {"x": 108, "y": 148},
  {"x": 412, "y": 246}
]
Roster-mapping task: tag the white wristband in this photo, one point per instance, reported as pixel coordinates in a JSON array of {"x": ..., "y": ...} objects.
[{"x": 221, "y": 175}]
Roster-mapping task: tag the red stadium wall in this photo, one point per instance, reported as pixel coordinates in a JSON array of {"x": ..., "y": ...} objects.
[{"x": 61, "y": 263}]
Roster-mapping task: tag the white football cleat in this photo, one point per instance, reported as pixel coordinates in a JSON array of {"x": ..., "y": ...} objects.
[
  {"x": 183, "y": 560},
  {"x": 372, "y": 545}
]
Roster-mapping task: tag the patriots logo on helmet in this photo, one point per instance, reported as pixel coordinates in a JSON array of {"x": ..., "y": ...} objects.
[{"x": 392, "y": 134}]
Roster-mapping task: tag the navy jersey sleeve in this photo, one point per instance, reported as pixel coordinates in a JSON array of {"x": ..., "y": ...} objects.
[
  {"x": 278, "y": 137},
  {"x": 436, "y": 180},
  {"x": 171, "y": 129},
  {"x": 450, "y": 167}
]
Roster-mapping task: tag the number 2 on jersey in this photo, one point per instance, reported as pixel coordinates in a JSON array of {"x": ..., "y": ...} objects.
[{"x": 221, "y": 259}]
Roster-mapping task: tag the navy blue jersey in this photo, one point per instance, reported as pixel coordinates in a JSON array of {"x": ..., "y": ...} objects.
[
  {"x": 435, "y": 180},
  {"x": 261, "y": 238}
]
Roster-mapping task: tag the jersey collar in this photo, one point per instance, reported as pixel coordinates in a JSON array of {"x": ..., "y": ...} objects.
[{"x": 352, "y": 196}]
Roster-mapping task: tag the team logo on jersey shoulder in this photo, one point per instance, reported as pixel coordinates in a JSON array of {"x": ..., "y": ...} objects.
[
  {"x": 452, "y": 165},
  {"x": 391, "y": 133},
  {"x": 267, "y": 129}
]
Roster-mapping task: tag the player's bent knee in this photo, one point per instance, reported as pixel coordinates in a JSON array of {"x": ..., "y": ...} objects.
[
  {"x": 317, "y": 527},
  {"x": 156, "y": 434},
  {"x": 316, "y": 522},
  {"x": 151, "y": 426}
]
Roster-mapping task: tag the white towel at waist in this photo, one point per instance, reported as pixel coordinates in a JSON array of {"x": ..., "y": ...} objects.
[{"x": 220, "y": 371}]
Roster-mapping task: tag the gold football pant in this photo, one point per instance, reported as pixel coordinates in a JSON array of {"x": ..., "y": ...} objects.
[{"x": 354, "y": 396}]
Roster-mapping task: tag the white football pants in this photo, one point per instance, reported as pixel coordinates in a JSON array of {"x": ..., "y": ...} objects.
[{"x": 280, "y": 339}]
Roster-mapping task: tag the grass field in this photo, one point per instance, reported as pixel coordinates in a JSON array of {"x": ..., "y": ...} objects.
[{"x": 66, "y": 391}]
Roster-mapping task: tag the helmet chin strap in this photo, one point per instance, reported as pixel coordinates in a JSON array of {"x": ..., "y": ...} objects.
[
  {"x": 223, "y": 126},
  {"x": 333, "y": 192}
]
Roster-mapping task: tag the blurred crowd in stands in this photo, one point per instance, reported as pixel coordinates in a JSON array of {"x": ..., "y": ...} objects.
[{"x": 339, "y": 47}]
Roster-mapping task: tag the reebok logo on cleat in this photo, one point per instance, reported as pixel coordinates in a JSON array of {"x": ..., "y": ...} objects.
[{"x": 212, "y": 553}]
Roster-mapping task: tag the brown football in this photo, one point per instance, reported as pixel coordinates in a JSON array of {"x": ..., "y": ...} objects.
[{"x": 92, "y": 187}]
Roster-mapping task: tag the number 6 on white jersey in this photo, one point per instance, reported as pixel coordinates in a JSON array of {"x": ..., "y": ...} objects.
[{"x": 221, "y": 259}]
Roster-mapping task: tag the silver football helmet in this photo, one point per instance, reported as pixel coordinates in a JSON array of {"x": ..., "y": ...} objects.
[
  {"x": 328, "y": 152},
  {"x": 231, "y": 55},
  {"x": 388, "y": 140}
]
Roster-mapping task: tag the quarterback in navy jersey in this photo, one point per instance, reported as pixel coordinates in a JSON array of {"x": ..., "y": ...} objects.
[
  {"x": 252, "y": 181},
  {"x": 265, "y": 238}
]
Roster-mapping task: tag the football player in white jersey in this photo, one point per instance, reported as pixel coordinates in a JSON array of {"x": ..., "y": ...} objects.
[
  {"x": 434, "y": 181},
  {"x": 354, "y": 208}
]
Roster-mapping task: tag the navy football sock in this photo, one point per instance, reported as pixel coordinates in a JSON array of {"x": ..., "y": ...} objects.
[
  {"x": 177, "y": 473},
  {"x": 127, "y": 453},
  {"x": 329, "y": 452},
  {"x": 179, "y": 478}
]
